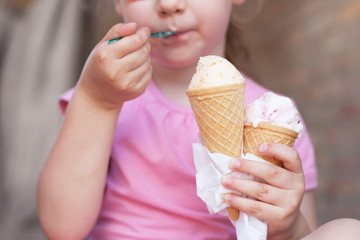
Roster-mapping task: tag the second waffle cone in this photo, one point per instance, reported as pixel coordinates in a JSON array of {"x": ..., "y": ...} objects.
[{"x": 267, "y": 133}]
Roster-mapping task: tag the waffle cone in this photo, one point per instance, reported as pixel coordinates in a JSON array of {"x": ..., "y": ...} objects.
[
  {"x": 267, "y": 133},
  {"x": 219, "y": 113}
]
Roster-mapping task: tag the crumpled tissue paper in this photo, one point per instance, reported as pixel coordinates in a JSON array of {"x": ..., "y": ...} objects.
[{"x": 210, "y": 167}]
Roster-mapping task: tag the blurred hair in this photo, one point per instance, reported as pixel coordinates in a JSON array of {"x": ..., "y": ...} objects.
[
  {"x": 17, "y": 6},
  {"x": 236, "y": 50}
]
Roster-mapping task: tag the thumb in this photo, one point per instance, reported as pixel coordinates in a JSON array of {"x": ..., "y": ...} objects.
[
  {"x": 120, "y": 30},
  {"x": 288, "y": 155}
]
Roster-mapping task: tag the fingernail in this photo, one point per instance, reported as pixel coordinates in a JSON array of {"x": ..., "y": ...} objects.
[
  {"x": 228, "y": 198},
  {"x": 235, "y": 163},
  {"x": 227, "y": 180},
  {"x": 263, "y": 147},
  {"x": 129, "y": 24}
]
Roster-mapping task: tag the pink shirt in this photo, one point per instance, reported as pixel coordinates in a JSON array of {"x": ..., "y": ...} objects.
[{"x": 151, "y": 188}]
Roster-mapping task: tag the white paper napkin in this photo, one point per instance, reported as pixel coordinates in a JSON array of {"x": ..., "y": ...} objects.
[{"x": 210, "y": 167}]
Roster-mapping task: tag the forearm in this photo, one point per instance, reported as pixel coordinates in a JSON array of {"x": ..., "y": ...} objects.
[
  {"x": 308, "y": 210},
  {"x": 71, "y": 185}
]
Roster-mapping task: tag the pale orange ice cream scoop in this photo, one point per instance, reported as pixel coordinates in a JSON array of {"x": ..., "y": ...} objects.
[{"x": 215, "y": 71}]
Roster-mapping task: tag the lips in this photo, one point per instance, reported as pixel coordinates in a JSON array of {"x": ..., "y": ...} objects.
[{"x": 179, "y": 37}]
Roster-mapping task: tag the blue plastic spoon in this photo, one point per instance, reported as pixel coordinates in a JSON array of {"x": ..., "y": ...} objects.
[{"x": 153, "y": 35}]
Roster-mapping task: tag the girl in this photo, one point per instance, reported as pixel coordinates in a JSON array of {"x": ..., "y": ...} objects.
[{"x": 122, "y": 165}]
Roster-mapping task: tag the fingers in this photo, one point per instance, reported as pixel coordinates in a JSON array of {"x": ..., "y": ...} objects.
[
  {"x": 258, "y": 209},
  {"x": 273, "y": 175},
  {"x": 127, "y": 55},
  {"x": 120, "y": 71},
  {"x": 136, "y": 58},
  {"x": 138, "y": 66},
  {"x": 139, "y": 77},
  {"x": 288, "y": 155},
  {"x": 129, "y": 44},
  {"x": 276, "y": 197},
  {"x": 270, "y": 204},
  {"x": 120, "y": 30},
  {"x": 278, "y": 213},
  {"x": 254, "y": 189}
]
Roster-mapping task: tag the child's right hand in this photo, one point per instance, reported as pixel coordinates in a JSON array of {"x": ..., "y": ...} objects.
[{"x": 119, "y": 71}]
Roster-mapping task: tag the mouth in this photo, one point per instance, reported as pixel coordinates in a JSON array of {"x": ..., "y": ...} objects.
[
  {"x": 161, "y": 34},
  {"x": 178, "y": 34},
  {"x": 175, "y": 38}
]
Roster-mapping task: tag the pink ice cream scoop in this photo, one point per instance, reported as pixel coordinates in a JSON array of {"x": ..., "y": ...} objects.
[{"x": 274, "y": 109}]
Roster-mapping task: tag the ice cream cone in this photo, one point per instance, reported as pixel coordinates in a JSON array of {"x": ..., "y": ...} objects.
[
  {"x": 219, "y": 113},
  {"x": 267, "y": 133}
]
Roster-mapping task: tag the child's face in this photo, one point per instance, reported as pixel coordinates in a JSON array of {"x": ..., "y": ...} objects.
[{"x": 201, "y": 26}]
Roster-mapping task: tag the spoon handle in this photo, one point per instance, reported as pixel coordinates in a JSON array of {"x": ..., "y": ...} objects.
[{"x": 153, "y": 35}]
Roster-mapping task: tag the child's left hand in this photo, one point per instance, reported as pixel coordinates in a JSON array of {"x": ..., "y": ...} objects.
[{"x": 276, "y": 200}]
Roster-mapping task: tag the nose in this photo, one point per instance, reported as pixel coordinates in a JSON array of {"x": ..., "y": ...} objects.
[{"x": 169, "y": 7}]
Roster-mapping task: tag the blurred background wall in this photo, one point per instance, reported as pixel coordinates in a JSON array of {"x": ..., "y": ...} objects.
[{"x": 308, "y": 50}]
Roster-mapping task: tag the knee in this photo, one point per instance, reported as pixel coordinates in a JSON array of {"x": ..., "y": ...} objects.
[
  {"x": 350, "y": 225},
  {"x": 344, "y": 228}
]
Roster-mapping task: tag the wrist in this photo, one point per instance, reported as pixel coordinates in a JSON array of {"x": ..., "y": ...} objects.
[
  {"x": 301, "y": 227},
  {"x": 92, "y": 96},
  {"x": 297, "y": 230}
]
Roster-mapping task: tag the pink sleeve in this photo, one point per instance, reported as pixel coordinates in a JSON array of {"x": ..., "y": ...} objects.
[
  {"x": 65, "y": 99},
  {"x": 305, "y": 149}
]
